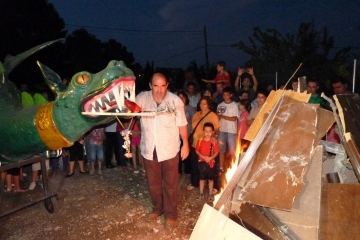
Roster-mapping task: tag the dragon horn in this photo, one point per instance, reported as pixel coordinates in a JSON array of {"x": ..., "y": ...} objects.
[{"x": 10, "y": 64}]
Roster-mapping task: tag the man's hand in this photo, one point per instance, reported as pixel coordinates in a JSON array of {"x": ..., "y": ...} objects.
[
  {"x": 240, "y": 71},
  {"x": 250, "y": 71},
  {"x": 184, "y": 151}
]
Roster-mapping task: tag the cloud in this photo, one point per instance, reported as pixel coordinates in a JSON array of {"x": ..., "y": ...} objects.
[{"x": 185, "y": 14}]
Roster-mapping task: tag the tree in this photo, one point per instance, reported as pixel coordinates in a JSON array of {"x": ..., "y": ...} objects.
[
  {"x": 271, "y": 52},
  {"x": 25, "y": 24},
  {"x": 82, "y": 52}
]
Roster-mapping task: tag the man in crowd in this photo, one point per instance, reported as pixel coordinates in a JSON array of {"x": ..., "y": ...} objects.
[
  {"x": 312, "y": 88},
  {"x": 160, "y": 145},
  {"x": 339, "y": 86},
  {"x": 246, "y": 81}
]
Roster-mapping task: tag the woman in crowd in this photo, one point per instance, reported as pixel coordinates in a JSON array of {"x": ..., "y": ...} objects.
[
  {"x": 208, "y": 93},
  {"x": 77, "y": 153},
  {"x": 199, "y": 119}
]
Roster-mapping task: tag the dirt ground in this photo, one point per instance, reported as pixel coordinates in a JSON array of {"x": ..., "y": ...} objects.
[{"x": 113, "y": 205}]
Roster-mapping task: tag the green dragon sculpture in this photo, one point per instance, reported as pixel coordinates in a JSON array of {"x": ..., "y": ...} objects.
[{"x": 26, "y": 131}]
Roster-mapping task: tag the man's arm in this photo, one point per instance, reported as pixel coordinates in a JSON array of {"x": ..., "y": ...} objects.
[
  {"x": 208, "y": 81},
  {"x": 237, "y": 80},
  {"x": 185, "y": 149},
  {"x": 256, "y": 83}
]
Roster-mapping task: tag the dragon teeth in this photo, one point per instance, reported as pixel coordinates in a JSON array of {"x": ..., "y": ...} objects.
[
  {"x": 107, "y": 96},
  {"x": 93, "y": 106},
  {"x": 132, "y": 93},
  {"x": 122, "y": 97},
  {"x": 118, "y": 97},
  {"x": 99, "y": 101}
]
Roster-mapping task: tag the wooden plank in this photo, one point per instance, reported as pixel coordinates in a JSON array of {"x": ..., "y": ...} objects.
[
  {"x": 214, "y": 225},
  {"x": 250, "y": 216},
  {"x": 304, "y": 217},
  {"x": 353, "y": 153},
  {"x": 349, "y": 106},
  {"x": 271, "y": 100},
  {"x": 340, "y": 211},
  {"x": 277, "y": 172}
]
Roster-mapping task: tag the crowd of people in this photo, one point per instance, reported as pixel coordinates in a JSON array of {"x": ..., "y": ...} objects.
[{"x": 199, "y": 138}]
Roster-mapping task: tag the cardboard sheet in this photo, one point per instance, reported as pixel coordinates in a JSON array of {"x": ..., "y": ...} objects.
[{"x": 276, "y": 175}]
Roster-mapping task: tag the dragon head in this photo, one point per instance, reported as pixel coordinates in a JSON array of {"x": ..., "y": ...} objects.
[
  {"x": 53, "y": 125},
  {"x": 104, "y": 91}
]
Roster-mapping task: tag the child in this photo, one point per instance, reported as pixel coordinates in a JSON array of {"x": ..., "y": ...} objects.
[
  {"x": 135, "y": 144},
  {"x": 222, "y": 76},
  {"x": 228, "y": 112},
  {"x": 244, "y": 107},
  {"x": 95, "y": 148},
  {"x": 207, "y": 149}
]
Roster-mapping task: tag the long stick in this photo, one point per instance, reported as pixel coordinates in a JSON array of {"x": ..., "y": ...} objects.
[
  {"x": 292, "y": 75},
  {"x": 354, "y": 74},
  {"x": 140, "y": 114}
]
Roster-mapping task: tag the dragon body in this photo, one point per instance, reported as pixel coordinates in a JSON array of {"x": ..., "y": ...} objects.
[{"x": 26, "y": 131}]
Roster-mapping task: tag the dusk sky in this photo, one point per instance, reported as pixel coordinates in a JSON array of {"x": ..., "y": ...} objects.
[{"x": 170, "y": 33}]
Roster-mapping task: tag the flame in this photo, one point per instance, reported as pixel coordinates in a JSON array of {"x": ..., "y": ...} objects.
[{"x": 232, "y": 169}]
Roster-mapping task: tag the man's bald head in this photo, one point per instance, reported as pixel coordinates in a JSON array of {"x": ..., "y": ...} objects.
[{"x": 158, "y": 86}]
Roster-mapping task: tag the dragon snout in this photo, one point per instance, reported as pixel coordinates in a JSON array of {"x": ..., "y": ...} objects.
[{"x": 111, "y": 98}]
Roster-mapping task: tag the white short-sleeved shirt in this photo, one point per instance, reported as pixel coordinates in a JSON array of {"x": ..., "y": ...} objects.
[
  {"x": 229, "y": 110},
  {"x": 162, "y": 130}
]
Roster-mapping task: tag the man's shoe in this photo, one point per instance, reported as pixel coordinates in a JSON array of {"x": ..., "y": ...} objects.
[
  {"x": 170, "y": 223},
  {"x": 110, "y": 166},
  {"x": 153, "y": 216}
]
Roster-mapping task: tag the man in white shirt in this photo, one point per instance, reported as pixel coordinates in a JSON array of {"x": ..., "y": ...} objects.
[{"x": 160, "y": 145}]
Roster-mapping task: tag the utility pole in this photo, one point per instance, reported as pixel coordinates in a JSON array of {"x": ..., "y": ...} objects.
[{"x": 206, "y": 54}]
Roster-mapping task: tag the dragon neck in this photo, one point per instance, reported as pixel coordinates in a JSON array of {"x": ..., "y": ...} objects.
[
  {"x": 69, "y": 120},
  {"x": 47, "y": 128}
]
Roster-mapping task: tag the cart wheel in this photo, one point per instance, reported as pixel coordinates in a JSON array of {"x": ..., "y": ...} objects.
[{"x": 51, "y": 204}]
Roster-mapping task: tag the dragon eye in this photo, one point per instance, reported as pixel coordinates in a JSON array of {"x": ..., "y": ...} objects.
[{"x": 82, "y": 79}]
